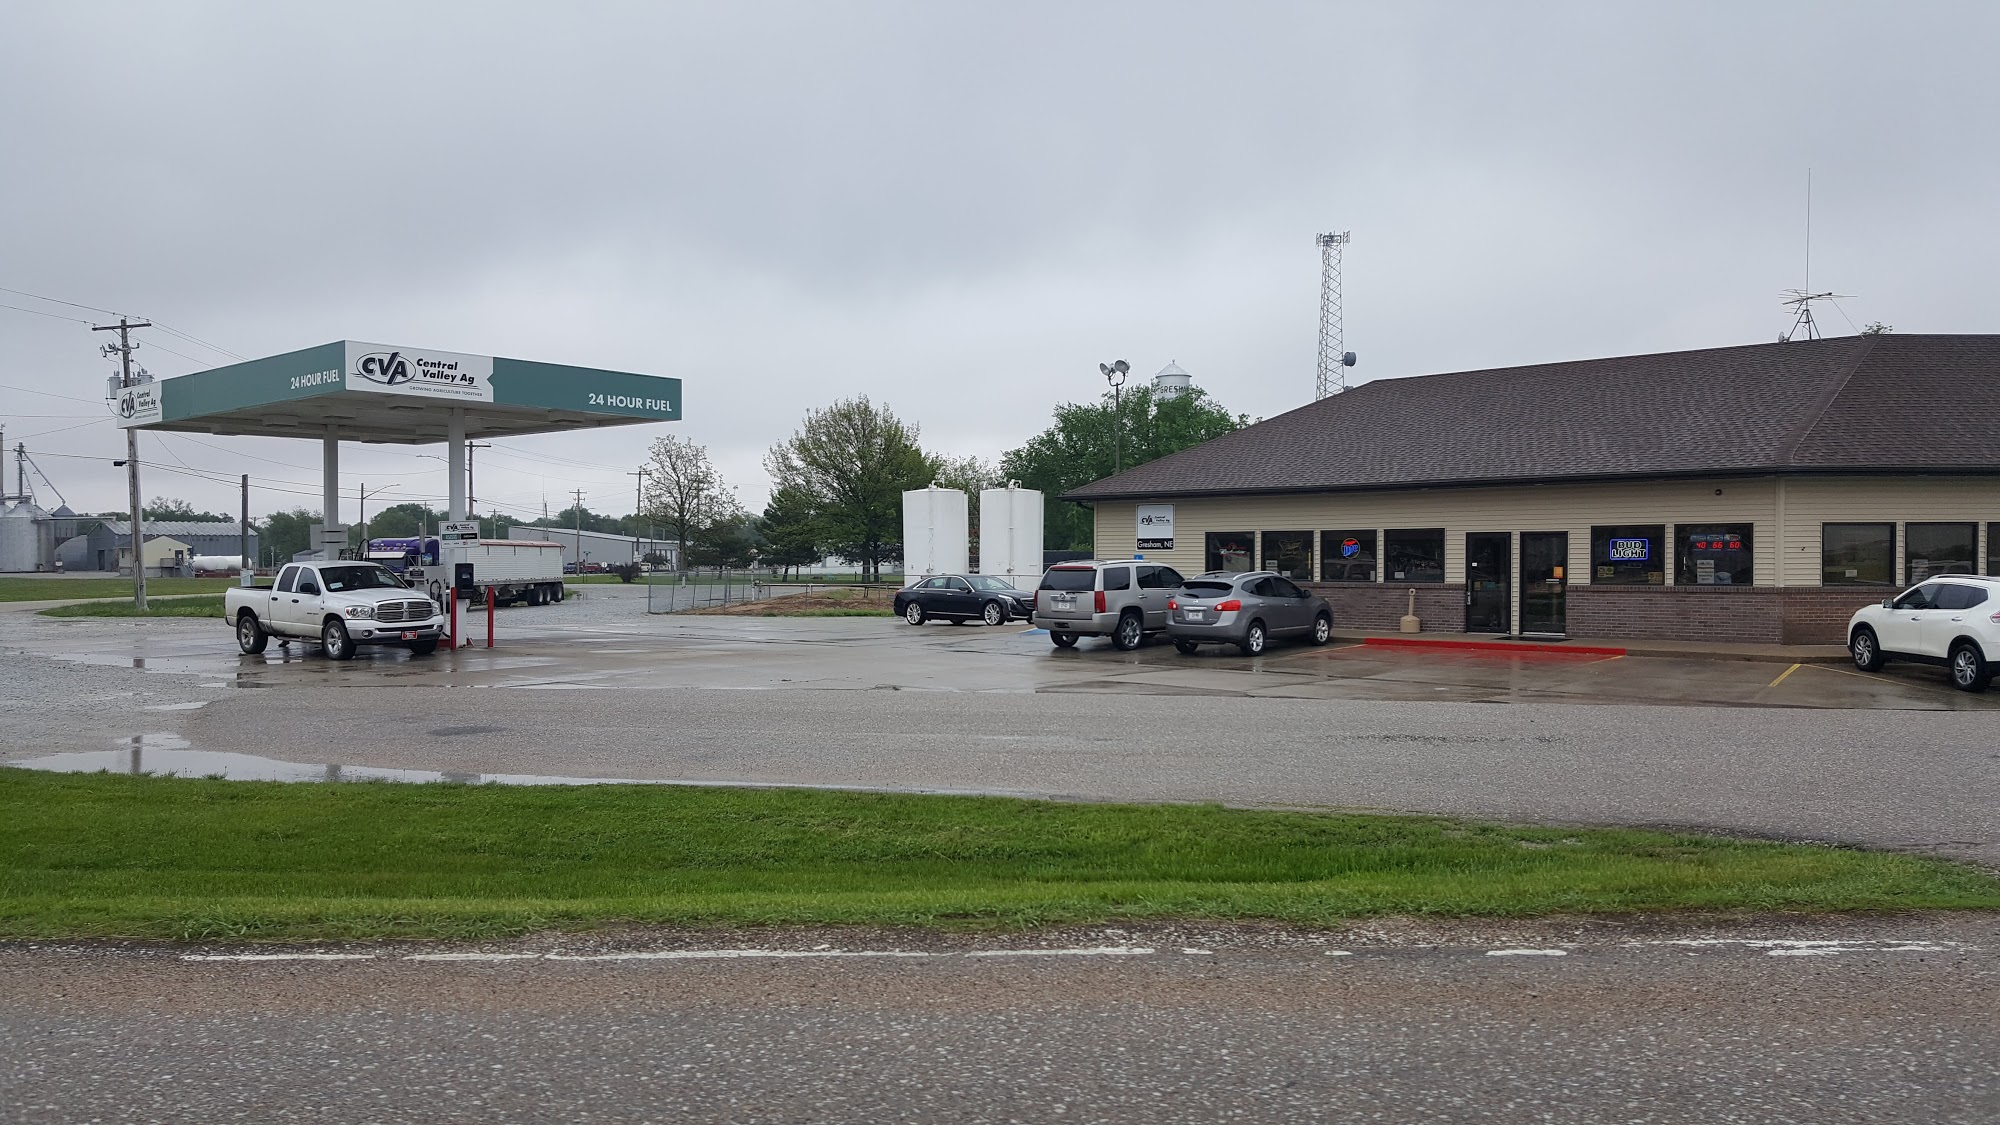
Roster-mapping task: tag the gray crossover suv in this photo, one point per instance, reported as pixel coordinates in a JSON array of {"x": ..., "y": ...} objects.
[
  {"x": 1124, "y": 599},
  {"x": 1246, "y": 610}
]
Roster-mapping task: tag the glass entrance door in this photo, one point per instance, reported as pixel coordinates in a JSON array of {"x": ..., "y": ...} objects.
[
  {"x": 1544, "y": 567},
  {"x": 1488, "y": 567}
]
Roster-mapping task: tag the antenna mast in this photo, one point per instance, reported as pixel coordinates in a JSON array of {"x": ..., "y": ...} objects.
[
  {"x": 1333, "y": 360},
  {"x": 1800, "y": 301}
]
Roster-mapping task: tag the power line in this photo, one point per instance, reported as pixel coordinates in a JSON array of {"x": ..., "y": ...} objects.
[
  {"x": 38, "y": 312},
  {"x": 58, "y": 301},
  {"x": 51, "y": 394}
]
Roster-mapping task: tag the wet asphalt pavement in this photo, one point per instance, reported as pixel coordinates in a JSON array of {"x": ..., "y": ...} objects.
[
  {"x": 595, "y": 689},
  {"x": 1673, "y": 1020},
  {"x": 1829, "y": 1021}
]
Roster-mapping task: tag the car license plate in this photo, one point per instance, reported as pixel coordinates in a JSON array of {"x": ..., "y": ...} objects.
[
  {"x": 1065, "y": 603},
  {"x": 1195, "y": 614},
  {"x": 409, "y": 636}
]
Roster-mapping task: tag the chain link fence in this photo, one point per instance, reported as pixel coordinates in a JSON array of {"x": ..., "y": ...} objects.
[{"x": 666, "y": 594}]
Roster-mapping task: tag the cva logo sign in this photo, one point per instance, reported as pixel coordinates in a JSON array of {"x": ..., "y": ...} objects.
[
  {"x": 416, "y": 371},
  {"x": 387, "y": 368}
]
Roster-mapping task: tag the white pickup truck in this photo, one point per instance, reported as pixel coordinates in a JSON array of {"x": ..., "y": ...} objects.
[{"x": 339, "y": 604}]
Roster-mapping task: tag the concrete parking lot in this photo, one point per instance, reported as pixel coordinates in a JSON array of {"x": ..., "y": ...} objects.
[{"x": 593, "y": 688}]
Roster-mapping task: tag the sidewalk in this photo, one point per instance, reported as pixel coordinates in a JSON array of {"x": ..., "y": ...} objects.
[{"x": 1674, "y": 649}]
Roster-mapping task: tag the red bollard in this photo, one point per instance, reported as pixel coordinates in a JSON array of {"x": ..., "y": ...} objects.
[{"x": 489, "y": 617}]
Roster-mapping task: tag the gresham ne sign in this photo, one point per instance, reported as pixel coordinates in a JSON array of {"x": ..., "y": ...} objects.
[{"x": 381, "y": 369}]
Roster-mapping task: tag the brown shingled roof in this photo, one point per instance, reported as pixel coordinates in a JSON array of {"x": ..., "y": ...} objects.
[{"x": 1852, "y": 403}]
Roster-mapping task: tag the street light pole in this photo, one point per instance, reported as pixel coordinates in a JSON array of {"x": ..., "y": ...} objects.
[{"x": 1114, "y": 374}]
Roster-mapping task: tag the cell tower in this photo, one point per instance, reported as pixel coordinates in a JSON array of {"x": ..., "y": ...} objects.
[{"x": 1333, "y": 359}]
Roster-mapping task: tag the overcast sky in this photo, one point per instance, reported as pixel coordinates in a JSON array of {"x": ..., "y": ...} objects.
[{"x": 957, "y": 210}]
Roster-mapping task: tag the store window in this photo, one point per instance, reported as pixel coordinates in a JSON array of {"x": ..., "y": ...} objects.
[
  {"x": 1290, "y": 553},
  {"x": 1857, "y": 554},
  {"x": 1631, "y": 554},
  {"x": 1232, "y": 551},
  {"x": 1415, "y": 556},
  {"x": 1347, "y": 556},
  {"x": 1939, "y": 548},
  {"x": 1712, "y": 554}
]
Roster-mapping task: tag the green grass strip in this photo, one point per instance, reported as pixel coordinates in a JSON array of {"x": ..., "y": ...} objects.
[
  {"x": 20, "y": 589},
  {"x": 113, "y": 856},
  {"x": 209, "y": 605}
]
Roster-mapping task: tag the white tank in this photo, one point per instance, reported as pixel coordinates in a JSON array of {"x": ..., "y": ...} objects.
[
  {"x": 217, "y": 562},
  {"x": 20, "y": 537},
  {"x": 1171, "y": 382},
  {"x": 1010, "y": 534},
  {"x": 936, "y": 533}
]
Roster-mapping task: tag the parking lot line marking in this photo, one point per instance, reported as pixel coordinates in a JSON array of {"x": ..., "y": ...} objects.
[
  {"x": 1783, "y": 674},
  {"x": 1527, "y": 953}
]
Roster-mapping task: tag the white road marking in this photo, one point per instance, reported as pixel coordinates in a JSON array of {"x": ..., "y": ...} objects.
[
  {"x": 1096, "y": 951},
  {"x": 277, "y": 956},
  {"x": 1339, "y": 953},
  {"x": 473, "y": 957},
  {"x": 730, "y": 954},
  {"x": 1823, "y": 947},
  {"x": 1527, "y": 953},
  {"x": 1200, "y": 952}
]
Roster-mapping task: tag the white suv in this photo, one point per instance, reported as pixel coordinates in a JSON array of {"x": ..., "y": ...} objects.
[{"x": 1953, "y": 620}]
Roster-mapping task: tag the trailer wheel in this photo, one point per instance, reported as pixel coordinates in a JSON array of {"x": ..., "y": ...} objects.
[{"x": 558, "y": 590}]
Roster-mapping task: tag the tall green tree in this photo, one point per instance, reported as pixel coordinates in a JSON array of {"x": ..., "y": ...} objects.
[
  {"x": 855, "y": 459},
  {"x": 1087, "y": 438},
  {"x": 793, "y": 534},
  {"x": 284, "y": 534},
  {"x": 173, "y": 508},
  {"x": 403, "y": 521},
  {"x": 684, "y": 492}
]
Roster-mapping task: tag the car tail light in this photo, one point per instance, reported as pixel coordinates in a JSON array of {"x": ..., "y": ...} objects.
[
  {"x": 1172, "y": 604},
  {"x": 1100, "y": 601},
  {"x": 1230, "y": 606}
]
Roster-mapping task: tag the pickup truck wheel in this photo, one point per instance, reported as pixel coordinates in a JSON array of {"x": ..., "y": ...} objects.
[
  {"x": 423, "y": 647},
  {"x": 250, "y": 636},
  {"x": 339, "y": 646}
]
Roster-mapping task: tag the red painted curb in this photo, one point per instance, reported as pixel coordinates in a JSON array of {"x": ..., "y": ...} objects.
[{"x": 1493, "y": 646}]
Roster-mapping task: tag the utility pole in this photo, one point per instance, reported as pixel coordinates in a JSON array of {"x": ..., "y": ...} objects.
[
  {"x": 471, "y": 497},
  {"x": 243, "y": 537},
  {"x": 124, "y": 348},
  {"x": 638, "y": 505},
  {"x": 579, "y": 532}
]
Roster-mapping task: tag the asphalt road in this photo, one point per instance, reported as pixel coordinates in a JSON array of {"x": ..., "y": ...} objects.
[{"x": 1831, "y": 1022}]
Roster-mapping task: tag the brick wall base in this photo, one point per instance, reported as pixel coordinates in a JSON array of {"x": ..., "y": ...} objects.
[
  {"x": 1740, "y": 615},
  {"x": 1368, "y": 605}
]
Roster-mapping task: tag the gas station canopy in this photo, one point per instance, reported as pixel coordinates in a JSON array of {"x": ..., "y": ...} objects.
[
  {"x": 351, "y": 391},
  {"x": 382, "y": 393}
]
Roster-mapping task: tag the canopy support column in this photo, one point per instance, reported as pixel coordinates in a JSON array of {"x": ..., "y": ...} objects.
[
  {"x": 455, "y": 458},
  {"x": 329, "y": 485}
]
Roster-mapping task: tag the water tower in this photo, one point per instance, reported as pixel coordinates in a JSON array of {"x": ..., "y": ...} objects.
[{"x": 1171, "y": 382}]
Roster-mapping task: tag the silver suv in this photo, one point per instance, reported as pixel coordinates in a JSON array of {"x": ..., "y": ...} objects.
[
  {"x": 1245, "y": 609},
  {"x": 1124, "y": 599}
]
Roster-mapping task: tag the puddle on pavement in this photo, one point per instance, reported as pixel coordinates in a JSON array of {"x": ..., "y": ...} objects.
[{"x": 168, "y": 755}]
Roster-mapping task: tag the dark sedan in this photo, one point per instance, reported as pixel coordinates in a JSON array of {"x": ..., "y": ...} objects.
[{"x": 959, "y": 598}]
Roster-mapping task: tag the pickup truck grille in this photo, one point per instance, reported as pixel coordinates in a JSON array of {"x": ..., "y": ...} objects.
[{"x": 405, "y": 611}]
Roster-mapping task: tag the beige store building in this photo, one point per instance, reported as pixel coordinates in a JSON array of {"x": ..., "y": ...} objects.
[{"x": 1757, "y": 493}]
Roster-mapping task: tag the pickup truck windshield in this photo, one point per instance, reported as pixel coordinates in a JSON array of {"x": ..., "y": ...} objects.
[{"x": 343, "y": 578}]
